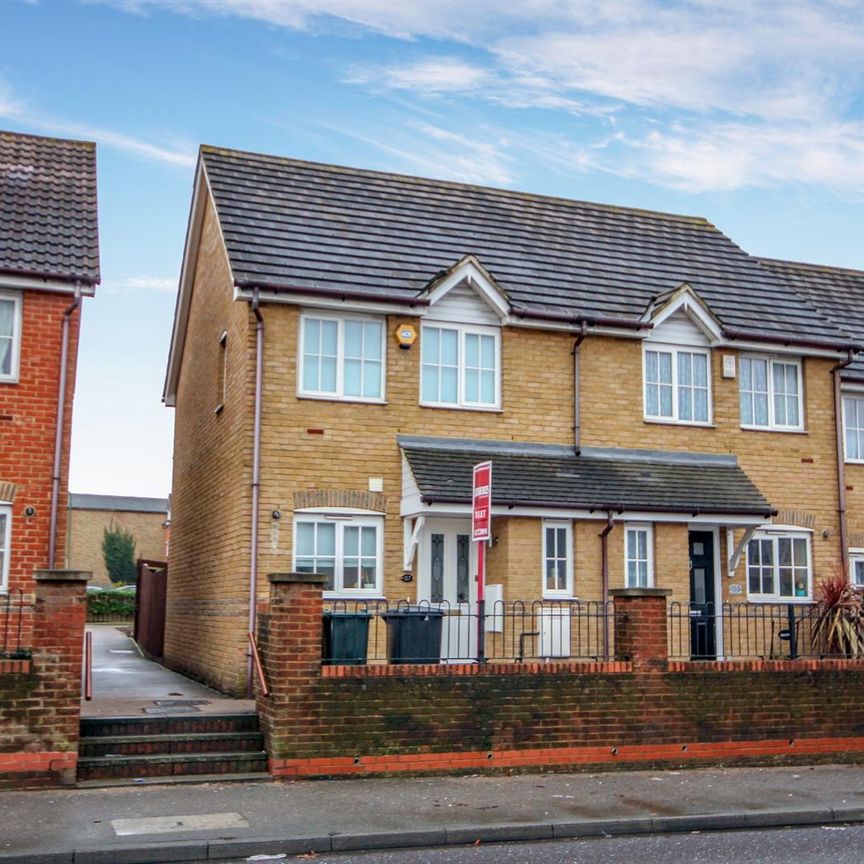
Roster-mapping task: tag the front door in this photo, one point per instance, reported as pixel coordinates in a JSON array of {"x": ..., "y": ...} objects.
[
  {"x": 702, "y": 605},
  {"x": 446, "y": 579}
]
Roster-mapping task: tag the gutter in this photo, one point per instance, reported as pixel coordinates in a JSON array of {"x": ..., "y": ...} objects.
[
  {"x": 825, "y": 344},
  {"x": 583, "y": 320},
  {"x": 577, "y": 424},
  {"x": 256, "y": 485},
  {"x": 841, "y": 461},
  {"x": 257, "y": 285},
  {"x": 58, "y": 432}
]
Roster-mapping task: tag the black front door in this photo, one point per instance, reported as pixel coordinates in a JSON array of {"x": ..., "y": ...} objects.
[{"x": 702, "y": 607}]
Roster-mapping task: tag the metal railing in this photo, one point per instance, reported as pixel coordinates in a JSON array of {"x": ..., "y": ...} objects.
[
  {"x": 256, "y": 662},
  {"x": 754, "y": 631},
  {"x": 88, "y": 666},
  {"x": 12, "y": 632},
  {"x": 514, "y": 631}
]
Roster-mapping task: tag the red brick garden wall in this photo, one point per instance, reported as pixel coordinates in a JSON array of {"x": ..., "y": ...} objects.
[
  {"x": 350, "y": 720},
  {"x": 40, "y": 697}
]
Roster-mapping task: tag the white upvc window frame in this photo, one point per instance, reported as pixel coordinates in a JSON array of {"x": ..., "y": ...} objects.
[
  {"x": 342, "y": 520},
  {"x": 775, "y": 535},
  {"x": 648, "y": 529},
  {"x": 558, "y": 525},
  {"x": 5, "y": 544},
  {"x": 675, "y": 350},
  {"x": 462, "y": 331},
  {"x": 859, "y": 430},
  {"x": 15, "y": 367},
  {"x": 856, "y": 563},
  {"x": 771, "y": 360},
  {"x": 339, "y": 394}
]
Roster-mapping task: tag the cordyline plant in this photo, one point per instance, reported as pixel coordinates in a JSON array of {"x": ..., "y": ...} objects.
[{"x": 838, "y": 626}]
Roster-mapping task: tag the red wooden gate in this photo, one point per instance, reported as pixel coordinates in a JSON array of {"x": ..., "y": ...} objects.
[{"x": 149, "y": 630}]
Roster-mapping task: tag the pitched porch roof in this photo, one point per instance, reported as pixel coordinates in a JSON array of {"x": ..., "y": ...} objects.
[{"x": 599, "y": 479}]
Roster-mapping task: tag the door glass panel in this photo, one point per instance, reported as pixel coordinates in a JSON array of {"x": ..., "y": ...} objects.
[
  {"x": 436, "y": 568},
  {"x": 463, "y": 568},
  {"x": 699, "y": 585}
]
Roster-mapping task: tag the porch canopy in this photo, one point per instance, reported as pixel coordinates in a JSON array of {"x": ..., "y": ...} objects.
[{"x": 550, "y": 479}]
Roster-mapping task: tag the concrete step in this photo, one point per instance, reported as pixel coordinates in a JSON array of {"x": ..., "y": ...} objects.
[
  {"x": 151, "y": 745},
  {"x": 170, "y": 765},
  {"x": 252, "y": 777},
  {"x": 178, "y": 724}
]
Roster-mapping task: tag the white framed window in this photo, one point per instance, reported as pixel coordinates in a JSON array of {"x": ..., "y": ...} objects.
[
  {"x": 10, "y": 336},
  {"x": 677, "y": 384},
  {"x": 853, "y": 428},
  {"x": 341, "y": 358},
  {"x": 460, "y": 366},
  {"x": 348, "y": 549},
  {"x": 856, "y": 567},
  {"x": 770, "y": 393},
  {"x": 5, "y": 543},
  {"x": 557, "y": 559},
  {"x": 778, "y": 566},
  {"x": 638, "y": 556}
]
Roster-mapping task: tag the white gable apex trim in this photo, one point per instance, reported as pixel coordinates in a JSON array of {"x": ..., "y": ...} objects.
[
  {"x": 684, "y": 300},
  {"x": 471, "y": 272}
]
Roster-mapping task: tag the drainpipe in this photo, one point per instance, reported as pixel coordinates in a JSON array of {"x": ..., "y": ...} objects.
[
  {"x": 841, "y": 462},
  {"x": 577, "y": 425},
  {"x": 604, "y": 557},
  {"x": 58, "y": 433},
  {"x": 256, "y": 481}
]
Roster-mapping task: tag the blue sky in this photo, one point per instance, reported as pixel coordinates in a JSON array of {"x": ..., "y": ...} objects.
[{"x": 751, "y": 114}]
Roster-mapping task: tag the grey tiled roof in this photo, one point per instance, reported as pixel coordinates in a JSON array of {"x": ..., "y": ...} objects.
[
  {"x": 599, "y": 479},
  {"x": 837, "y": 291},
  {"x": 293, "y": 225},
  {"x": 119, "y": 503},
  {"x": 48, "y": 221}
]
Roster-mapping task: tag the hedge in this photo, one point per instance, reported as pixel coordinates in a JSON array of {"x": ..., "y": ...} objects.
[{"x": 114, "y": 604}]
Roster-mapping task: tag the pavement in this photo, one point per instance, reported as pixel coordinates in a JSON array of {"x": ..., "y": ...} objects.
[
  {"x": 223, "y": 821},
  {"x": 126, "y": 684}
]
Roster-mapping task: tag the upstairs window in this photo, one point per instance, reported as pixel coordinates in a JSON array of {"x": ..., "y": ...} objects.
[
  {"x": 342, "y": 358},
  {"x": 853, "y": 428},
  {"x": 770, "y": 393},
  {"x": 460, "y": 366},
  {"x": 10, "y": 336},
  {"x": 677, "y": 385},
  {"x": 778, "y": 567}
]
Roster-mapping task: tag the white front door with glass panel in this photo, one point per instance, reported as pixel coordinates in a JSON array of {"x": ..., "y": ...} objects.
[{"x": 446, "y": 578}]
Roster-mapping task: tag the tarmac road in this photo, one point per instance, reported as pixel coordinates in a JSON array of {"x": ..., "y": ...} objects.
[{"x": 834, "y": 844}]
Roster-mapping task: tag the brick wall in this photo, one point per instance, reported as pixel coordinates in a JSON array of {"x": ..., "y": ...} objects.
[
  {"x": 371, "y": 720},
  {"x": 86, "y": 528},
  {"x": 40, "y": 698}
]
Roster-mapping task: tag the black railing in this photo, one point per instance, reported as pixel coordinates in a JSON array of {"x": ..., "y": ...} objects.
[
  {"x": 12, "y": 632},
  {"x": 514, "y": 631},
  {"x": 762, "y": 631}
]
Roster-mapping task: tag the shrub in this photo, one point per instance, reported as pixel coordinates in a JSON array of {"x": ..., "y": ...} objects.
[
  {"x": 114, "y": 604},
  {"x": 839, "y": 625},
  {"x": 118, "y": 551}
]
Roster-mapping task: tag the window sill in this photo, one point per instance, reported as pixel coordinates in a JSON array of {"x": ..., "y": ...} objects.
[
  {"x": 341, "y": 595},
  {"x": 447, "y": 407},
  {"x": 351, "y": 400},
  {"x": 661, "y": 421},
  {"x": 570, "y": 598},
  {"x": 9, "y": 380},
  {"x": 779, "y": 429}
]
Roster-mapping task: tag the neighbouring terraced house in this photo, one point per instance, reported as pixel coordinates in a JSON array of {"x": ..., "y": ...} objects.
[{"x": 658, "y": 405}]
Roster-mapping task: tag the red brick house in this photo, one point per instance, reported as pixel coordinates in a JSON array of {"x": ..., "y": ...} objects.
[{"x": 49, "y": 261}]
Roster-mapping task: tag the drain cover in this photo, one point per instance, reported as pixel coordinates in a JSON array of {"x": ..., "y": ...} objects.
[{"x": 179, "y": 702}]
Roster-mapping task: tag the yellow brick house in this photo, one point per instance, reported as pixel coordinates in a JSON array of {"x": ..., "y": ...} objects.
[{"x": 658, "y": 406}]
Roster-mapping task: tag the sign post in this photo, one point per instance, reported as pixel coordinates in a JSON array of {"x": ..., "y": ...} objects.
[{"x": 481, "y": 518}]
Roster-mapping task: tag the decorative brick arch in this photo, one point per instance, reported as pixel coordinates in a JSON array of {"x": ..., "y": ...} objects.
[
  {"x": 347, "y": 498},
  {"x": 799, "y": 518},
  {"x": 7, "y": 491}
]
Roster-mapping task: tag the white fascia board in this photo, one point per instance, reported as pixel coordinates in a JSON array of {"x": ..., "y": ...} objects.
[
  {"x": 412, "y": 508},
  {"x": 686, "y": 300},
  {"x": 201, "y": 191},
  {"x": 346, "y": 304},
  {"x": 16, "y": 282},
  {"x": 852, "y": 388},
  {"x": 564, "y": 327},
  {"x": 778, "y": 348},
  {"x": 469, "y": 269}
]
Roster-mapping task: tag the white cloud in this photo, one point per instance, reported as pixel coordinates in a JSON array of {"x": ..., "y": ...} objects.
[
  {"x": 141, "y": 284},
  {"x": 432, "y": 76}
]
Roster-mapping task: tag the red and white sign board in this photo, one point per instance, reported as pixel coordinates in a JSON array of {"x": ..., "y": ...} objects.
[{"x": 481, "y": 502}]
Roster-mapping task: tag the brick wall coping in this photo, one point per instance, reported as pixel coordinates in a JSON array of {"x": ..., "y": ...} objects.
[
  {"x": 62, "y": 575},
  {"x": 810, "y": 664},
  {"x": 640, "y": 592},
  {"x": 309, "y": 578},
  {"x": 420, "y": 670}
]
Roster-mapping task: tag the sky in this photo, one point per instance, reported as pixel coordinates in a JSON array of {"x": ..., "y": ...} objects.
[{"x": 750, "y": 114}]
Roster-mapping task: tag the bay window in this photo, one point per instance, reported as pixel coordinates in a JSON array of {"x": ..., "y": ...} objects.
[{"x": 778, "y": 567}]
